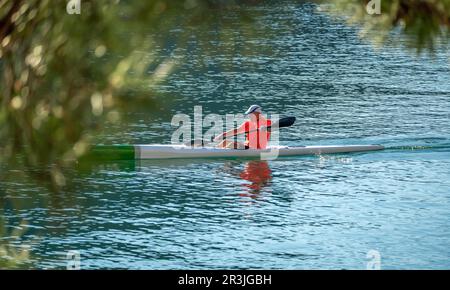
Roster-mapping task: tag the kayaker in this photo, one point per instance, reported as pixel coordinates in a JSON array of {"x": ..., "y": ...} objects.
[{"x": 255, "y": 135}]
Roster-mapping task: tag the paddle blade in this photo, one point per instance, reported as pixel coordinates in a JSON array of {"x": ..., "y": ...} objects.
[{"x": 286, "y": 122}]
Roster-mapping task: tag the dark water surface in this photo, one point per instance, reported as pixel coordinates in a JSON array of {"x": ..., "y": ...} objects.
[{"x": 291, "y": 213}]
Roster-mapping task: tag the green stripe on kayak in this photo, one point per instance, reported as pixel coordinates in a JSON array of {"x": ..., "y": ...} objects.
[{"x": 111, "y": 152}]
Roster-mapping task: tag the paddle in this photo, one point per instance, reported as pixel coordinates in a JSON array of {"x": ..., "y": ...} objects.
[{"x": 283, "y": 122}]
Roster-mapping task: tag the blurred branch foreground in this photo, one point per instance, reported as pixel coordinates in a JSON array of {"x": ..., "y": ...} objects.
[
  {"x": 424, "y": 23},
  {"x": 63, "y": 75}
]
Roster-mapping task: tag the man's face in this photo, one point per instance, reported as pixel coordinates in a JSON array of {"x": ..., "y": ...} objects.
[{"x": 254, "y": 116}]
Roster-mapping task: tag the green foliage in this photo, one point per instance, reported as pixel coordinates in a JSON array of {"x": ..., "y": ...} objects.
[
  {"x": 11, "y": 256},
  {"x": 62, "y": 76},
  {"x": 424, "y": 24}
]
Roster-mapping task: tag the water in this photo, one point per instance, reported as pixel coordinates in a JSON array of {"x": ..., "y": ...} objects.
[{"x": 319, "y": 212}]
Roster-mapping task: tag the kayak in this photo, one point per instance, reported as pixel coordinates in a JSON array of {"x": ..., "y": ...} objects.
[{"x": 129, "y": 152}]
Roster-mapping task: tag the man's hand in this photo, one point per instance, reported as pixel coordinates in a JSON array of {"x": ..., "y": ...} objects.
[
  {"x": 226, "y": 134},
  {"x": 219, "y": 137}
]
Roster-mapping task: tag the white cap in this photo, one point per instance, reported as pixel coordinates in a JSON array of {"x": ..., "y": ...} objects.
[{"x": 252, "y": 109}]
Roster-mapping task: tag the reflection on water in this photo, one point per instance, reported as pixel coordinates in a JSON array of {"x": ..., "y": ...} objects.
[
  {"x": 256, "y": 175},
  {"x": 217, "y": 213}
]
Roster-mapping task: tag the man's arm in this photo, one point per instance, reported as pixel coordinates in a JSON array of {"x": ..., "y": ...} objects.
[{"x": 231, "y": 133}]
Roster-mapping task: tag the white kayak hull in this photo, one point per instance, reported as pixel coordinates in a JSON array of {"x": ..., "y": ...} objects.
[{"x": 181, "y": 151}]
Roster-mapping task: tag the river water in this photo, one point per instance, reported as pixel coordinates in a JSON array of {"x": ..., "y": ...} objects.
[{"x": 319, "y": 212}]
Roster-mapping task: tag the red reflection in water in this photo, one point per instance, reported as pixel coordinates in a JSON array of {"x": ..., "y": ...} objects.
[{"x": 259, "y": 175}]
